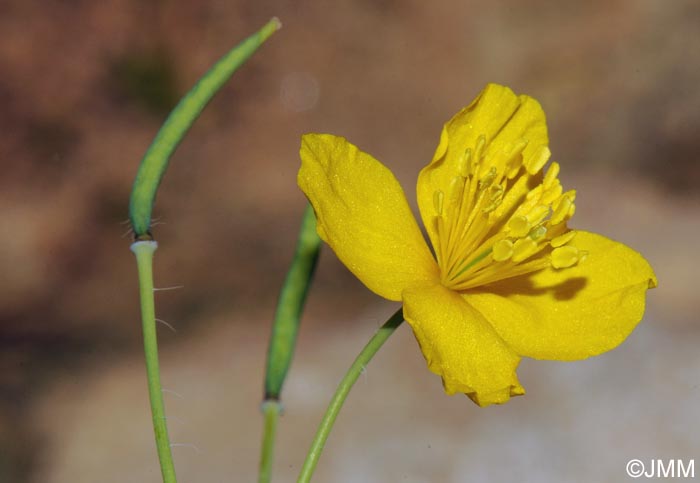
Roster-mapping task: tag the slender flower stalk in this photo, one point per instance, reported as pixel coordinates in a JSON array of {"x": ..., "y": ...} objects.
[
  {"x": 363, "y": 358},
  {"x": 284, "y": 333},
  {"x": 144, "y": 260}
]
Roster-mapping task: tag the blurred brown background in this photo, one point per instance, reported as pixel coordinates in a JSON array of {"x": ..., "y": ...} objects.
[{"x": 84, "y": 87}]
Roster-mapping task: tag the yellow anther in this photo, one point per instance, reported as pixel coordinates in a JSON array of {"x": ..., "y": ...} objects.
[
  {"x": 561, "y": 212},
  {"x": 538, "y": 160},
  {"x": 552, "y": 193},
  {"x": 464, "y": 164},
  {"x": 523, "y": 248},
  {"x": 478, "y": 167},
  {"x": 513, "y": 196},
  {"x": 518, "y": 226},
  {"x": 438, "y": 198},
  {"x": 518, "y": 147},
  {"x": 538, "y": 214},
  {"x": 513, "y": 167},
  {"x": 487, "y": 180},
  {"x": 528, "y": 205},
  {"x": 489, "y": 207},
  {"x": 537, "y": 233},
  {"x": 582, "y": 256},
  {"x": 551, "y": 176},
  {"x": 456, "y": 188},
  {"x": 495, "y": 198},
  {"x": 562, "y": 240},
  {"x": 513, "y": 158},
  {"x": 479, "y": 149},
  {"x": 502, "y": 250},
  {"x": 571, "y": 194},
  {"x": 564, "y": 257},
  {"x": 536, "y": 192},
  {"x": 498, "y": 190}
]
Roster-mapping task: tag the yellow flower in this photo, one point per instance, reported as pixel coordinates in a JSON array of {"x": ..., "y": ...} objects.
[{"x": 506, "y": 277}]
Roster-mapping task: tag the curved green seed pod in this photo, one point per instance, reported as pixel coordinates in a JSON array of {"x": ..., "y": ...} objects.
[{"x": 155, "y": 161}]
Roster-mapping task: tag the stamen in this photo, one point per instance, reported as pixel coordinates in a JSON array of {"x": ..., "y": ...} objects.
[
  {"x": 518, "y": 147},
  {"x": 438, "y": 198},
  {"x": 513, "y": 167},
  {"x": 538, "y": 214},
  {"x": 502, "y": 250},
  {"x": 562, "y": 210},
  {"x": 564, "y": 257},
  {"x": 537, "y": 233},
  {"x": 515, "y": 158},
  {"x": 487, "y": 180},
  {"x": 553, "y": 193},
  {"x": 479, "y": 150},
  {"x": 456, "y": 188},
  {"x": 524, "y": 248},
  {"x": 495, "y": 198},
  {"x": 535, "y": 193},
  {"x": 439, "y": 226},
  {"x": 478, "y": 155},
  {"x": 538, "y": 160},
  {"x": 551, "y": 176},
  {"x": 482, "y": 256},
  {"x": 464, "y": 165},
  {"x": 518, "y": 226},
  {"x": 512, "y": 197},
  {"x": 497, "y": 275},
  {"x": 562, "y": 240},
  {"x": 490, "y": 228}
]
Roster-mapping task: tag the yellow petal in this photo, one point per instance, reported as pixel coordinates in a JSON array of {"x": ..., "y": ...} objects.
[
  {"x": 461, "y": 346},
  {"x": 575, "y": 312},
  {"x": 504, "y": 120},
  {"x": 363, "y": 215}
]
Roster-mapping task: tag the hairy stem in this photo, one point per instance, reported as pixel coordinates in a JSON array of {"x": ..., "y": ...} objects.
[{"x": 144, "y": 260}]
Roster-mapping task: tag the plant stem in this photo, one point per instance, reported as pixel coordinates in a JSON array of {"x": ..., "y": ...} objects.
[
  {"x": 271, "y": 409},
  {"x": 374, "y": 344},
  {"x": 144, "y": 260}
]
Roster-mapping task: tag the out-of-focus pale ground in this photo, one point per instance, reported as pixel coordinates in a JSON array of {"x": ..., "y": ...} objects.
[{"x": 83, "y": 88}]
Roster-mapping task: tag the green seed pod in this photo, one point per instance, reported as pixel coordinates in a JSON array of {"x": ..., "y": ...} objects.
[
  {"x": 155, "y": 161},
  {"x": 290, "y": 306}
]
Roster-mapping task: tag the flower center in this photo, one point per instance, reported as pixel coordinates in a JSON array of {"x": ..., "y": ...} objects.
[{"x": 502, "y": 218}]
